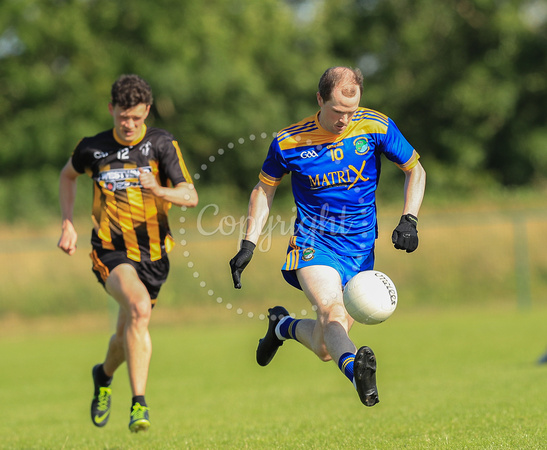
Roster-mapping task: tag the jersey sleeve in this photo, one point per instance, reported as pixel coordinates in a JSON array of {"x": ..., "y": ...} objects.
[
  {"x": 172, "y": 163},
  {"x": 397, "y": 149},
  {"x": 77, "y": 159},
  {"x": 274, "y": 167}
]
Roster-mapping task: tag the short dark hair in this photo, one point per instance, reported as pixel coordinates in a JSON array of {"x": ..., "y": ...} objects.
[
  {"x": 130, "y": 90},
  {"x": 334, "y": 76}
]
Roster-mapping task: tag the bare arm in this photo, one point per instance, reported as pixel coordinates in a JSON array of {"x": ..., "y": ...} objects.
[
  {"x": 183, "y": 194},
  {"x": 259, "y": 209},
  {"x": 414, "y": 189},
  {"x": 67, "y": 196},
  {"x": 405, "y": 235}
]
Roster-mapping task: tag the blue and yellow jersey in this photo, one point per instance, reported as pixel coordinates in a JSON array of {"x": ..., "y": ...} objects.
[
  {"x": 334, "y": 177},
  {"x": 125, "y": 216}
]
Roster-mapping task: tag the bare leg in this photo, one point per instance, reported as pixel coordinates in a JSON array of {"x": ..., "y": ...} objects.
[
  {"x": 115, "y": 356},
  {"x": 327, "y": 336},
  {"x": 131, "y": 342}
]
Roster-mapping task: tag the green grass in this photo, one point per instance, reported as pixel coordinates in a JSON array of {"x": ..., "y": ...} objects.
[
  {"x": 456, "y": 361},
  {"x": 459, "y": 379}
]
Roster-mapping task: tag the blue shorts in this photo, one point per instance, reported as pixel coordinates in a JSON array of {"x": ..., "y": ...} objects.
[{"x": 346, "y": 266}]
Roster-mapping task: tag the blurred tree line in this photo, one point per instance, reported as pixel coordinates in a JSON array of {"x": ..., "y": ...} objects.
[{"x": 465, "y": 80}]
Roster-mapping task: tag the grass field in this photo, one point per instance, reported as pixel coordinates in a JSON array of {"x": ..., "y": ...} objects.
[
  {"x": 456, "y": 361},
  {"x": 459, "y": 379}
]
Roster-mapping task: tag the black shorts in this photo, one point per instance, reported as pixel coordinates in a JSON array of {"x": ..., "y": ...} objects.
[{"x": 152, "y": 273}]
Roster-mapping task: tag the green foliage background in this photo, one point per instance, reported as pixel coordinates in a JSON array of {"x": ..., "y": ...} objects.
[{"x": 463, "y": 79}]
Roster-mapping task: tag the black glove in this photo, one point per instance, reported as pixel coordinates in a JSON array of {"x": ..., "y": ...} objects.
[
  {"x": 405, "y": 236},
  {"x": 240, "y": 261}
]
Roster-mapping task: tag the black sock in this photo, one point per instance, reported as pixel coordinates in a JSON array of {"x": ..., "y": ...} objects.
[
  {"x": 102, "y": 378},
  {"x": 139, "y": 399}
]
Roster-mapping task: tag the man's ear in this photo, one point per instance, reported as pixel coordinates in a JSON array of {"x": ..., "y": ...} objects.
[{"x": 320, "y": 101}]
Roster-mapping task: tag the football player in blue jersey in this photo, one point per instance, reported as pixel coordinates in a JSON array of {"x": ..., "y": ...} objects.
[{"x": 334, "y": 161}]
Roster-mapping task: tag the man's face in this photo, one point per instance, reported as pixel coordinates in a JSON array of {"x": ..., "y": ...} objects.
[
  {"x": 336, "y": 113},
  {"x": 129, "y": 122}
]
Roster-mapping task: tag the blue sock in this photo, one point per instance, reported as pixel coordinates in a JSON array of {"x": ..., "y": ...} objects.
[
  {"x": 287, "y": 328},
  {"x": 345, "y": 363}
]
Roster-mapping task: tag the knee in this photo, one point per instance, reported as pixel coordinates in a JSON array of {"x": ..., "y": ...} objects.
[
  {"x": 335, "y": 315},
  {"x": 332, "y": 321},
  {"x": 140, "y": 311}
]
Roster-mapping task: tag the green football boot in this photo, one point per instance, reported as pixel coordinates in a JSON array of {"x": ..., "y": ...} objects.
[
  {"x": 139, "y": 419},
  {"x": 100, "y": 406}
]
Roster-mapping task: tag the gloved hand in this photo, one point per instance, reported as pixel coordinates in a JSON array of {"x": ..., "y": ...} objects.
[
  {"x": 240, "y": 261},
  {"x": 405, "y": 236}
]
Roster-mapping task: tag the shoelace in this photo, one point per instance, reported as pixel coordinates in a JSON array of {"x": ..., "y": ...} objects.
[
  {"x": 104, "y": 397},
  {"x": 138, "y": 411}
]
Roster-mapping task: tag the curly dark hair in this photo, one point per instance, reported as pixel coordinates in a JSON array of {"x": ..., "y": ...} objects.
[
  {"x": 131, "y": 90},
  {"x": 334, "y": 76}
]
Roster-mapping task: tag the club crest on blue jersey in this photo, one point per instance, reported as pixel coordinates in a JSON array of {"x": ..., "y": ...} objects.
[
  {"x": 361, "y": 145},
  {"x": 308, "y": 254}
]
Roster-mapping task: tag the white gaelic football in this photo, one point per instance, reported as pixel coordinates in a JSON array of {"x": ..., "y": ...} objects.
[{"x": 370, "y": 297}]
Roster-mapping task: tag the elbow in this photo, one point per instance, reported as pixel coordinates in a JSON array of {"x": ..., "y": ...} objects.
[
  {"x": 192, "y": 201},
  {"x": 187, "y": 196}
]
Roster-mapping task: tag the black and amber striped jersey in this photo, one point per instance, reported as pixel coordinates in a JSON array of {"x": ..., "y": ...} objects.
[{"x": 126, "y": 216}]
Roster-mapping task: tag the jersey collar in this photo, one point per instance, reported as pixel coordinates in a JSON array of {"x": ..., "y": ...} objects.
[
  {"x": 132, "y": 143},
  {"x": 337, "y": 137}
]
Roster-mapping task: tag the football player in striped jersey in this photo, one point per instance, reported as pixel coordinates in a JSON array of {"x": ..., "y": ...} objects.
[{"x": 138, "y": 173}]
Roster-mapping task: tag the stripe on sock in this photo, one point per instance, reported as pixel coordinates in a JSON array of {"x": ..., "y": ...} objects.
[
  {"x": 292, "y": 329},
  {"x": 286, "y": 328},
  {"x": 345, "y": 363}
]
